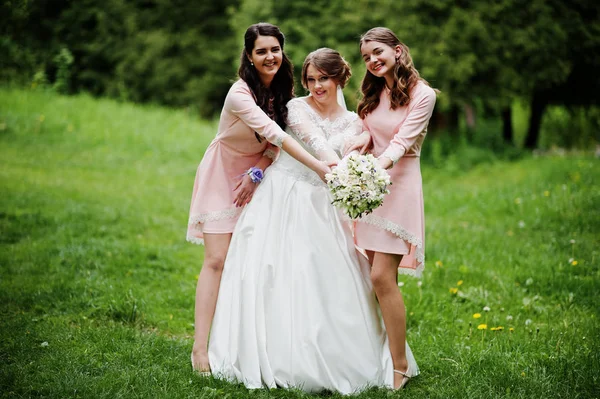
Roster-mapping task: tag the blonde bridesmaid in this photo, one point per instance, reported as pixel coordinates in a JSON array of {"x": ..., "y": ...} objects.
[{"x": 395, "y": 107}]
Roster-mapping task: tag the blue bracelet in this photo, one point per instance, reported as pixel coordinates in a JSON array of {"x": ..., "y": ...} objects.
[{"x": 256, "y": 174}]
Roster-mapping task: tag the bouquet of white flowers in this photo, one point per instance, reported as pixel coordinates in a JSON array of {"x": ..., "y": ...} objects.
[{"x": 358, "y": 185}]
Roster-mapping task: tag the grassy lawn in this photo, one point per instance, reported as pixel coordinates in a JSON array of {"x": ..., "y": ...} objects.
[{"x": 97, "y": 281}]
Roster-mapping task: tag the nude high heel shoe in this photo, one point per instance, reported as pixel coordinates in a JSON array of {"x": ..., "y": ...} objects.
[
  {"x": 205, "y": 373},
  {"x": 405, "y": 377}
]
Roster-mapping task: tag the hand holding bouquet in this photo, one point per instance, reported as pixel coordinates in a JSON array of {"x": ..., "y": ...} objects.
[{"x": 358, "y": 185}]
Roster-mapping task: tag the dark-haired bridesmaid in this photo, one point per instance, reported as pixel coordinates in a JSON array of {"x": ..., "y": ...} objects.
[{"x": 251, "y": 131}]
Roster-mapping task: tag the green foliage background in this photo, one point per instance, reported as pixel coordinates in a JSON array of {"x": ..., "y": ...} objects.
[{"x": 185, "y": 54}]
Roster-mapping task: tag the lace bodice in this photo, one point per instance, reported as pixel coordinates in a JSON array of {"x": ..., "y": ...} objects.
[
  {"x": 324, "y": 138},
  {"x": 321, "y": 136}
]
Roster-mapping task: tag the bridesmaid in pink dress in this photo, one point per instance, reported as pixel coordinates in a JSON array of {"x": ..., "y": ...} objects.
[
  {"x": 249, "y": 136},
  {"x": 395, "y": 107}
]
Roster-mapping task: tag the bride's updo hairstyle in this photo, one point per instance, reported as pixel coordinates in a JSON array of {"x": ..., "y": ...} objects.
[{"x": 329, "y": 62}]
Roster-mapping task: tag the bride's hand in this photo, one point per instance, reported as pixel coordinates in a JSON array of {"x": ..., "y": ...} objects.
[
  {"x": 323, "y": 169},
  {"x": 359, "y": 143}
]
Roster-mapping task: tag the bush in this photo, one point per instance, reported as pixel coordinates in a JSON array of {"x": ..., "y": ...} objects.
[{"x": 63, "y": 60}]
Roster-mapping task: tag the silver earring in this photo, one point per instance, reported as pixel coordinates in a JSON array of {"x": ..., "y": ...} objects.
[{"x": 251, "y": 63}]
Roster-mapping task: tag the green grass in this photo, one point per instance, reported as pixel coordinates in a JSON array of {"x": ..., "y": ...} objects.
[{"x": 97, "y": 282}]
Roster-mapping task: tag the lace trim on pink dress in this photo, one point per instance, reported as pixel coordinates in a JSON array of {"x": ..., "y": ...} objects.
[
  {"x": 269, "y": 153},
  {"x": 195, "y": 220},
  {"x": 403, "y": 234}
]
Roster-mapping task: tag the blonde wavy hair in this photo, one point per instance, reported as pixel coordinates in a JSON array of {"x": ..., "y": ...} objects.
[{"x": 406, "y": 75}]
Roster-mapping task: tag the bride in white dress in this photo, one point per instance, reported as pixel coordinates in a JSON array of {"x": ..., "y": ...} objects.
[{"x": 295, "y": 306}]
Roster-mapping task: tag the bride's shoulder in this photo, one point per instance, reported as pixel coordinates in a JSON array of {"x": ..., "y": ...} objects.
[
  {"x": 297, "y": 102},
  {"x": 297, "y": 108},
  {"x": 350, "y": 116}
]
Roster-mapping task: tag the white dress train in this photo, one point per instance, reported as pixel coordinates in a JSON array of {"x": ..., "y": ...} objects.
[{"x": 296, "y": 306}]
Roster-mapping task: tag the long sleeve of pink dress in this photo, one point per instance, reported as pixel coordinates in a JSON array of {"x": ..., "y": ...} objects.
[
  {"x": 398, "y": 226},
  {"x": 232, "y": 152}
]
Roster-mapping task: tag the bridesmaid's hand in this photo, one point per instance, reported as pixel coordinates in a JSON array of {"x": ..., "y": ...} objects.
[
  {"x": 245, "y": 189},
  {"x": 360, "y": 143},
  {"x": 385, "y": 162}
]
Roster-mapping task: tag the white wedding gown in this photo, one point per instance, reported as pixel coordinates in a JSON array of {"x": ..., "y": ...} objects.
[{"x": 295, "y": 305}]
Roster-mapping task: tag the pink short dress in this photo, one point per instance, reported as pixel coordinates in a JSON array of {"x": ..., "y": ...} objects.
[
  {"x": 232, "y": 152},
  {"x": 398, "y": 226}
]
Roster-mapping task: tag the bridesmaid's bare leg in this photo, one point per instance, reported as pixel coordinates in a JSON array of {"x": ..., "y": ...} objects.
[
  {"x": 384, "y": 275},
  {"x": 207, "y": 289}
]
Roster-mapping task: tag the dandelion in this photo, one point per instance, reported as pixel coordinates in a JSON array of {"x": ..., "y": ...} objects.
[
  {"x": 400, "y": 284},
  {"x": 511, "y": 329},
  {"x": 454, "y": 291},
  {"x": 477, "y": 315},
  {"x": 521, "y": 224},
  {"x": 529, "y": 281},
  {"x": 528, "y": 322},
  {"x": 574, "y": 262},
  {"x": 460, "y": 282},
  {"x": 546, "y": 193},
  {"x": 523, "y": 374},
  {"x": 438, "y": 263},
  {"x": 572, "y": 248},
  {"x": 509, "y": 318},
  {"x": 482, "y": 327},
  {"x": 486, "y": 309},
  {"x": 419, "y": 284},
  {"x": 499, "y": 328}
]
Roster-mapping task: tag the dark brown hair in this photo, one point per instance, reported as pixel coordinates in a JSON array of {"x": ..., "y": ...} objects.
[
  {"x": 330, "y": 63},
  {"x": 406, "y": 75},
  {"x": 281, "y": 89}
]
